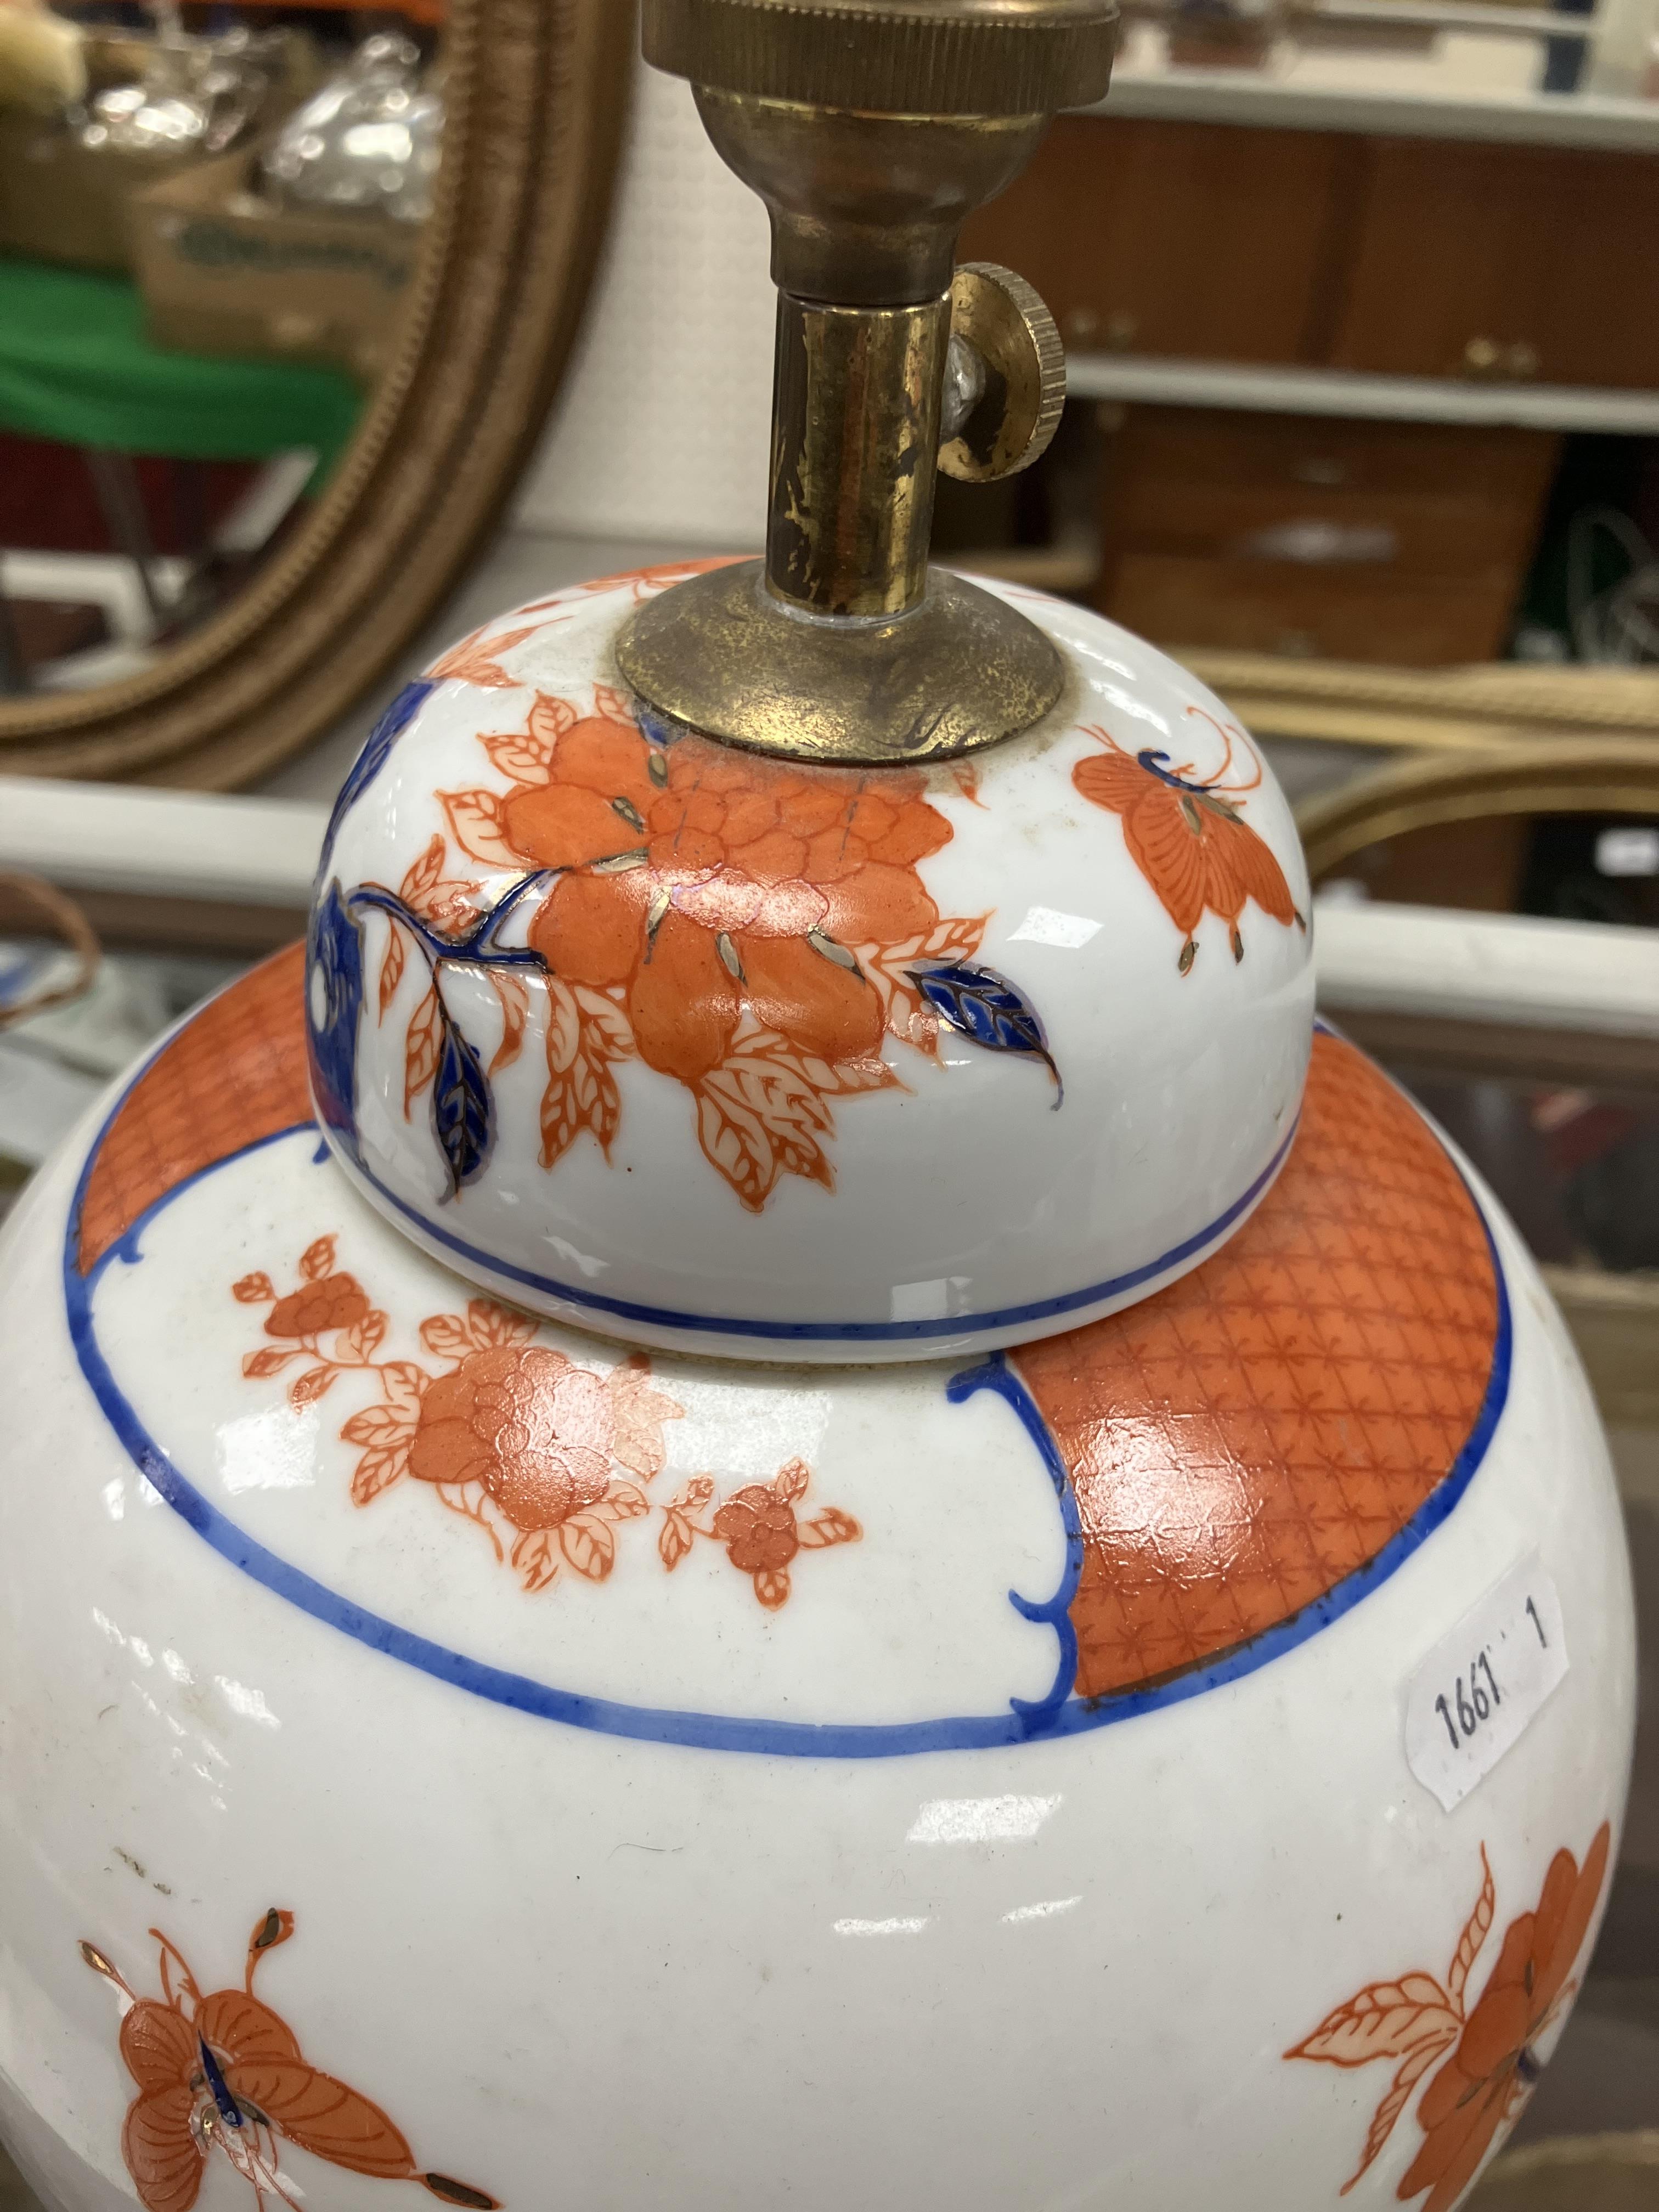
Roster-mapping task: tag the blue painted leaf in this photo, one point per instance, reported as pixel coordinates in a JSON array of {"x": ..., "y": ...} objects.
[
  {"x": 334, "y": 1005},
  {"x": 986, "y": 1007},
  {"x": 463, "y": 1109},
  {"x": 658, "y": 729},
  {"x": 375, "y": 752}
]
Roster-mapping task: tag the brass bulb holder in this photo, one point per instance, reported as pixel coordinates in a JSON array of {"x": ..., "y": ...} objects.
[
  {"x": 931, "y": 58},
  {"x": 871, "y": 128}
]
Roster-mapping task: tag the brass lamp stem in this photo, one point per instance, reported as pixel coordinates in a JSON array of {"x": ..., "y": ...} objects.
[
  {"x": 855, "y": 436},
  {"x": 864, "y": 212},
  {"x": 871, "y": 128}
]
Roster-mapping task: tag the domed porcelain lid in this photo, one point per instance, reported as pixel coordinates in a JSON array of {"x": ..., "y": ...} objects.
[
  {"x": 701, "y": 1048},
  {"x": 824, "y": 956}
]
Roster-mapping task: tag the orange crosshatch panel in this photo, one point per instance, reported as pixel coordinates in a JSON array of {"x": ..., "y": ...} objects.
[
  {"x": 235, "y": 1075},
  {"x": 1246, "y": 1439}
]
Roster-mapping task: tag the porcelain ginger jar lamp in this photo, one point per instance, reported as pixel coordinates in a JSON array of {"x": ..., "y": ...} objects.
[{"x": 773, "y": 1487}]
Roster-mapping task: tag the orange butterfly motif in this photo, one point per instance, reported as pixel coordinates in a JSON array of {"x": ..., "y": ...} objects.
[
  {"x": 225, "y": 2072},
  {"x": 1187, "y": 835}
]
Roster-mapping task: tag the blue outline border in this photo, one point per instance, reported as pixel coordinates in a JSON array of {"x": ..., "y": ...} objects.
[
  {"x": 824, "y": 1332},
  {"x": 1058, "y": 1714}
]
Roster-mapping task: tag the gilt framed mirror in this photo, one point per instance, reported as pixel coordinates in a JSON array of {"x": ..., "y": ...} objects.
[{"x": 289, "y": 303}]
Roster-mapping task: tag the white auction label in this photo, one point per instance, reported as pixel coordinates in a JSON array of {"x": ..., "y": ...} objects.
[{"x": 1479, "y": 1690}]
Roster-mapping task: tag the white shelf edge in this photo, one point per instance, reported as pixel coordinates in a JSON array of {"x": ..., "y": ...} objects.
[
  {"x": 1170, "y": 381},
  {"x": 264, "y": 852},
  {"x": 1595, "y": 122},
  {"x": 1455, "y": 966},
  {"x": 160, "y": 844}
]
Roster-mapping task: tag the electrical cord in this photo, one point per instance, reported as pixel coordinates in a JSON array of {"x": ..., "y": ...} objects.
[
  {"x": 70, "y": 924},
  {"x": 1619, "y": 625}
]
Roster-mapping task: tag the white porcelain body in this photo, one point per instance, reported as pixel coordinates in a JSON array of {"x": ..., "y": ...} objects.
[
  {"x": 649, "y": 1943},
  {"x": 932, "y": 1198}
]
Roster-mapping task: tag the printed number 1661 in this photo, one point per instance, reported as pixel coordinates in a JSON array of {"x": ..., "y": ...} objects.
[
  {"x": 1469, "y": 1708},
  {"x": 1472, "y": 1706}
]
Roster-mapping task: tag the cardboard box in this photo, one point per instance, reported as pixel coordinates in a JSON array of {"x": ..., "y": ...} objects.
[
  {"x": 225, "y": 271},
  {"x": 62, "y": 201},
  {"x": 59, "y": 201}
]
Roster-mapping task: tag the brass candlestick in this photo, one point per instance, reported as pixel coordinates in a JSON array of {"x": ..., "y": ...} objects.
[{"x": 871, "y": 130}]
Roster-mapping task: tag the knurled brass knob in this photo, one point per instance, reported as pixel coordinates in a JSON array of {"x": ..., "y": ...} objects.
[
  {"x": 938, "y": 57},
  {"x": 1005, "y": 380}
]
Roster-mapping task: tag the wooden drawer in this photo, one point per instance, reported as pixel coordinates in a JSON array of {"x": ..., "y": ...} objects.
[
  {"x": 1550, "y": 250},
  {"x": 1238, "y": 450},
  {"x": 1392, "y": 542},
  {"x": 1250, "y": 606},
  {"x": 1397, "y": 534},
  {"x": 1200, "y": 240}
]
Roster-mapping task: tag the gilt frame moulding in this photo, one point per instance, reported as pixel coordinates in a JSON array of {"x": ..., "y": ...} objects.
[
  {"x": 536, "y": 98},
  {"x": 1485, "y": 707},
  {"x": 1581, "y": 775}
]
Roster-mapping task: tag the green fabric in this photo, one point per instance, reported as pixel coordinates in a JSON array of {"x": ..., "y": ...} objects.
[{"x": 74, "y": 365}]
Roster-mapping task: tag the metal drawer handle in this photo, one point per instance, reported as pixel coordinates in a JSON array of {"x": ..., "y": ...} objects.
[
  {"x": 1322, "y": 544},
  {"x": 1499, "y": 362}
]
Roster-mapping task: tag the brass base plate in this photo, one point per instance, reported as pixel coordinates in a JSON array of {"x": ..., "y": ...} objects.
[{"x": 964, "y": 671}]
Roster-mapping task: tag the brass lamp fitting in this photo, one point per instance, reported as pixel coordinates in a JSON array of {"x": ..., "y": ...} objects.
[{"x": 871, "y": 128}]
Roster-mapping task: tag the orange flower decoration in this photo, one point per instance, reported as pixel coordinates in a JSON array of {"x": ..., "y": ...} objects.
[
  {"x": 537, "y": 1432},
  {"x": 704, "y": 881},
  {"x": 1417, "y": 2022},
  {"x": 749, "y": 928},
  {"x": 326, "y": 1303},
  {"x": 535, "y": 1450},
  {"x": 1493, "y": 2067},
  {"x": 759, "y": 1527},
  {"x": 325, "y": 1299},
  {"x": 336, "y": 1302},
  {"x": 514, "y": 1429}
]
